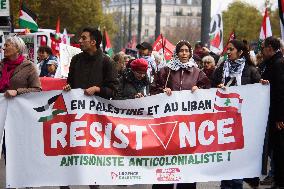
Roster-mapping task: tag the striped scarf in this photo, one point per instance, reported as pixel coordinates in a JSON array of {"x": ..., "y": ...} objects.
[{"x": 234, "y": 69}]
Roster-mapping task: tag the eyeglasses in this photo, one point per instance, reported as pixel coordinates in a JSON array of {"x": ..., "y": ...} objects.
[{"x": 207, "y": 62}]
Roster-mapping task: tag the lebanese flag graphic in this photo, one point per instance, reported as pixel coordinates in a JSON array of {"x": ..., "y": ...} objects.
[{"x": 228, "y": 102}]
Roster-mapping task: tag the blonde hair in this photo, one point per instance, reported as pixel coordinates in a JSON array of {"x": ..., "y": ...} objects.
[
  {"x": 208, "y": 59},
  {"x": 18, "y": 43}
]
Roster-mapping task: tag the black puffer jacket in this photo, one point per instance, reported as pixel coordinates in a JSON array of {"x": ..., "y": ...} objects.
[{"x": 129, "y": 86}]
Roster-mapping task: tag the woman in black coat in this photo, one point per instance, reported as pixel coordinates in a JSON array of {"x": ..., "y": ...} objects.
[{"x": 237, "y": 70}]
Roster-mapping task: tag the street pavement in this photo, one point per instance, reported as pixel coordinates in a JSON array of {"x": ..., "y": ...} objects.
[{"x": 208, "y": 185}]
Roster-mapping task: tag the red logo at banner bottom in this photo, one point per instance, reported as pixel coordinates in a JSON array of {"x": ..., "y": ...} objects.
[
  {"x": 172, "y": 135},
  {"x": 168, "y": 174}
]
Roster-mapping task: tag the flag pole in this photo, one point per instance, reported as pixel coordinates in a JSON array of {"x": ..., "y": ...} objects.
[
  {"x": 20, "y": 8},
  {"x": 163, "y": 47},
  {"x": 163, "y": 44},
  {"x": 104, "y": 39}
]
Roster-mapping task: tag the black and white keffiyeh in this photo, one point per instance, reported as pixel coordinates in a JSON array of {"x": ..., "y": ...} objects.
[
  {"x": 176, "y": 64},
  {"x": 234, "y": 69}
]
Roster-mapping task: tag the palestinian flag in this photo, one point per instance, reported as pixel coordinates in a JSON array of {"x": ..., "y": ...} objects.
[
  {"x": 55, "y": 44},
  {"x": 106, "y": 44},
  {"x": 57, "y": 31},
  {"x": 27, "y": 19},
  {"x": 57, "y": 105},
  {"x": 281, "y": 16},
  {"x": 216, "y": 34}
]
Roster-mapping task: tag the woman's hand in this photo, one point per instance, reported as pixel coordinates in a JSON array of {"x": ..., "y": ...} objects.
[
  {"x": 194, "y": 88},
  {"x": 168, "y": 91},
  {"x": 67, "y": 88},
  {"x": 10, "y": 93},
  {"x": 221, "y": 86},
  {"x": 139, "y": 95},
  {"x": 264, "y": 82}
]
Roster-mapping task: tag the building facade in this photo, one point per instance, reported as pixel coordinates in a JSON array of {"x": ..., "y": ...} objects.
[{"x": 176, "y": 15}]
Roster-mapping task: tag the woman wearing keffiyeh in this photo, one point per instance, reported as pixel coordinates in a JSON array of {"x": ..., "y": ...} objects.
[
  {"x": 181, "y": 73},
  {"x": 237, "y": 70}
]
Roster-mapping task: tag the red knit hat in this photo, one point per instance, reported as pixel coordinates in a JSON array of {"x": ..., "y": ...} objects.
[{"x": 139, "y": 65}]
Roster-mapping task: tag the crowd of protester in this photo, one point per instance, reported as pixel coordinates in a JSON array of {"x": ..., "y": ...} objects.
[{"x": 125, "y": 77}]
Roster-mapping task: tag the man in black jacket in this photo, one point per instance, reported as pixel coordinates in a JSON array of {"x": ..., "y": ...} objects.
[
  {"x": 272, "y": 71},
  {"x": 92, "y": 70}
]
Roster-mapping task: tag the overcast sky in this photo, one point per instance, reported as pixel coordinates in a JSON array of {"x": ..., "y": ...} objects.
[{"x": 215, "y": 4}]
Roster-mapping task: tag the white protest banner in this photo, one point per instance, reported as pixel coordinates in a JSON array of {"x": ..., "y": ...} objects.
[
  {"x": 70, "y": 139},
  {"x": 3, "y": 112},
  {"x": 4, "y": 8},
  {"x": 66, "y": 53}
]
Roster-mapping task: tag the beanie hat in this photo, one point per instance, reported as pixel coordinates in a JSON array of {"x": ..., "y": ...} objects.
[{"x": 139, "y": 65}]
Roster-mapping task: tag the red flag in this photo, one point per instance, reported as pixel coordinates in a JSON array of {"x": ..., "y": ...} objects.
[
  {"x": 55, "y": 39},
  {"x": 55, "y": 45},
  {"x": 58, "y": 25},
  {"x": 265, "y": 26},
  {"x": 164, "y": 46},
  {"x": 57, "y": 32},
  {"x": 49, "y": 83}
]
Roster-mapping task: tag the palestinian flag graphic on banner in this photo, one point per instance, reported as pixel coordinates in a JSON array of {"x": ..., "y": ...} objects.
[
  {"x": 27, "y": 19},
  {"x": 56, "y": 104}
]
